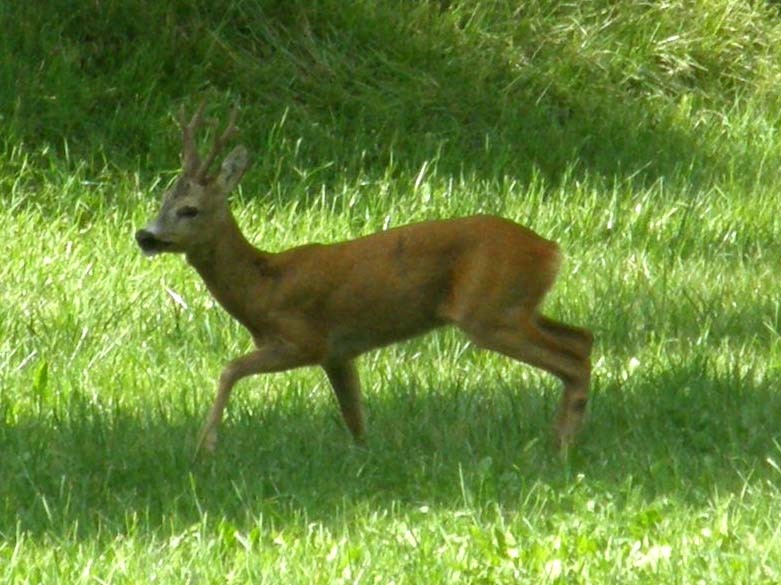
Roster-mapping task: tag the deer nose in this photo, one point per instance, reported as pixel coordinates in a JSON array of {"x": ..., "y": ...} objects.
[
  {"x": 145, "y": 239},
  {"x": 143, "y": 236}
]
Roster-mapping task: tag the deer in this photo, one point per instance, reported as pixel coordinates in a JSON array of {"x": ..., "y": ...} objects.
[{"x": 326, "y": 304}]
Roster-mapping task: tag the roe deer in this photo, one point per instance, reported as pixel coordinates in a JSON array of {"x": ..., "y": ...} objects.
[{"x": 327, "y": 304}]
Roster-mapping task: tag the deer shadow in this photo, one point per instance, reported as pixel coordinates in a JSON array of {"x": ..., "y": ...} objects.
[{"x": 680, "y": 434}]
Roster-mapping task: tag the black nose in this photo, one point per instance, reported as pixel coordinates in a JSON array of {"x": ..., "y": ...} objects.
[{"x": 146, "y": 240}]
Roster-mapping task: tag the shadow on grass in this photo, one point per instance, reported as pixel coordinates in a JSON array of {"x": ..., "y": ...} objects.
[
  {"x": 362, "y": 91},
  {"x": 679, "y": 434}
]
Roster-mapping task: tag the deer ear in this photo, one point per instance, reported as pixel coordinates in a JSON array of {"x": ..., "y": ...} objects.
[{"x": 232, "y": 169}]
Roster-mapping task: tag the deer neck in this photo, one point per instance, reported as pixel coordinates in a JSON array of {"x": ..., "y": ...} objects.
[{"x": 229, "y": 268}]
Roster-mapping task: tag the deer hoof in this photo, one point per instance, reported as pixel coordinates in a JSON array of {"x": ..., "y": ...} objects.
[{"x": 207, "y": 444}]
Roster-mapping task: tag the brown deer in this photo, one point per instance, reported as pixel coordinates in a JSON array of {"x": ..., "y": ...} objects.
[{"x": 327, "y": 304}]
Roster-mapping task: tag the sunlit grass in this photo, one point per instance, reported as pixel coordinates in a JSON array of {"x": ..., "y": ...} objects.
[
  {"x": 110, "y": 361},
  {"x": 619, "y": 138}
]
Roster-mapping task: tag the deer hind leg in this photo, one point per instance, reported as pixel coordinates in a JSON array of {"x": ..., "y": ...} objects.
[
  {"x": 347, "y": 388},
  {"x": 580, "y": 340},
  {"x": 554, "y": 347},
  {"x": 575, "y": 342}
]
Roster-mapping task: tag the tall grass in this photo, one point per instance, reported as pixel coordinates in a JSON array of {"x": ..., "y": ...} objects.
[{"x": 640, "y": 136}]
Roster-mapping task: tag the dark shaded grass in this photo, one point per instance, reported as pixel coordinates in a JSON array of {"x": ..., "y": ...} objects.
[
  {"x": 680, "y": 431},
  {"x": 330, "y": 91}
]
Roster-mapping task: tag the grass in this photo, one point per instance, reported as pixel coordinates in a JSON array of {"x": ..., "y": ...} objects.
[{"x": 641, "y": 137}]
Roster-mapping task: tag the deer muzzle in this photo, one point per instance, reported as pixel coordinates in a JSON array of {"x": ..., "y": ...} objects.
[{"x": 150, "y": 243}]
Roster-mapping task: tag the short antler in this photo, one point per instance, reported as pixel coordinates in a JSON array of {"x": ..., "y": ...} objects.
[
  {"x": 219, "y": 145},
  {"x": 191, "y": 164}
]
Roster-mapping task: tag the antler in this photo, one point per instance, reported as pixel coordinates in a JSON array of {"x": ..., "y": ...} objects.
[
  {"x": 219, "y": 144},
  {"x": 190, "y": 161}
]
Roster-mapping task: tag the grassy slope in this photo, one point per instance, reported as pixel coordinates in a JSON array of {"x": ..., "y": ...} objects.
[{"x": 641, "y": 137}]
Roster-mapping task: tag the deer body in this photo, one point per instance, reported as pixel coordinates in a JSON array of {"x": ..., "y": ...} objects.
[
  {"x": 327, "y": 304},
  {"x": 352, "y": 297}
]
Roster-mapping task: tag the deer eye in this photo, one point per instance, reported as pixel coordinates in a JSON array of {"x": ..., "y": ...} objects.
[{"x": 187, "y": 211}]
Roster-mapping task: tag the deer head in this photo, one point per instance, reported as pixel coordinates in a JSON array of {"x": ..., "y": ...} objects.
[{"x": 196, "y": 205}]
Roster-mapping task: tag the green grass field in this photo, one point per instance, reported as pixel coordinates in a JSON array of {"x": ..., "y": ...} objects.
[{"x": 641, "y": 136}]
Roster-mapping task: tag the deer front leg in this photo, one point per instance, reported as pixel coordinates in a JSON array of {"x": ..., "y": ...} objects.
[
  {"x": 266, "y": 359},
  {"x": 347, "y": 387}
]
